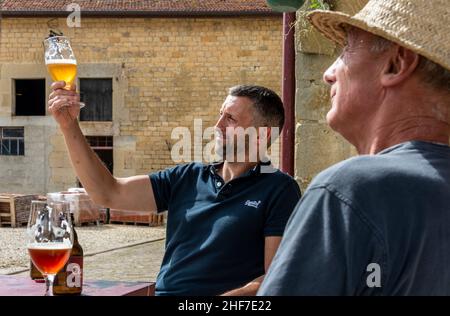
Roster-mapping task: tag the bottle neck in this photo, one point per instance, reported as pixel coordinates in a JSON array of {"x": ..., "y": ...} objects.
[{"x": 75, "y": 235}]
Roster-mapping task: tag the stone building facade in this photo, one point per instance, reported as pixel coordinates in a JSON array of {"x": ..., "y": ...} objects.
[{"x": 164, "y": 73}]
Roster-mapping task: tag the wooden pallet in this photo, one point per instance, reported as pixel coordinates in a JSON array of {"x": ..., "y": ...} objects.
[
  {"x": 136, "y": 218},
  {"x": 84, "y": 209},
  {"x": 21, "y": 224},
  {"x": 90, "y": 223},
  {"x": 7, "y": 211},
  {"x": 15, "y": 209},
  {"x": 130, "y": 223}
]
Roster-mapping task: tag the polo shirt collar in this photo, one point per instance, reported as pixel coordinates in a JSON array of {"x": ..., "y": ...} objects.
[{"x": 256, "y": 170}]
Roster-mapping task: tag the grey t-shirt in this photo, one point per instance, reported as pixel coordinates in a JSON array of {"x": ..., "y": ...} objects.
[{"x": 371, "y": 225}]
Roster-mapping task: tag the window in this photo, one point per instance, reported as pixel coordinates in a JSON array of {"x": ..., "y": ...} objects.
[
  {"x": 103, "y": 147},
  {"x": 100, "y": 142},
  {"x": 97, "y": 94},
  {"x": 12, "y": 141},
  {"x": 30, "y": 97}
]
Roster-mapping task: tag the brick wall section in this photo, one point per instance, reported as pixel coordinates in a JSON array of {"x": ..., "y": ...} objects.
[{"x": 174, "y": 70}]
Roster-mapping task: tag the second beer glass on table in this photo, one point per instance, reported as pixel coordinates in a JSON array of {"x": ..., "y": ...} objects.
[{"x": 50, "y": 238}]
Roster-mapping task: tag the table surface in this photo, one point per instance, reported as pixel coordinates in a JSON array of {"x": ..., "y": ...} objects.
[{"x": 12, "y": 285}]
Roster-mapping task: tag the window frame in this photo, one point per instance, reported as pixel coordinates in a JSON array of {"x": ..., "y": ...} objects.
[{"x": 9, "y": 138}]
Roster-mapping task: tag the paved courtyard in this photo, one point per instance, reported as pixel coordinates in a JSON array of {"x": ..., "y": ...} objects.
[{"x": 112, "y": 252}]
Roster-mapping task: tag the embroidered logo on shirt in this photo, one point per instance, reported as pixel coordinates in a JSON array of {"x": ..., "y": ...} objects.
[{"x": 254, "y": 204}]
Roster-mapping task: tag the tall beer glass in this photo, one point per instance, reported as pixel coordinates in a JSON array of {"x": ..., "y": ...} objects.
[
  {"x": 60, "y": 61},
  {"x": 50, "y": 238}
]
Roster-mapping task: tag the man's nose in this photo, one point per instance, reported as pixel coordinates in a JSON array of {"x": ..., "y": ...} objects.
[
  {"x": 329, "y": 75},
  {"x": 219, "y": 123}
]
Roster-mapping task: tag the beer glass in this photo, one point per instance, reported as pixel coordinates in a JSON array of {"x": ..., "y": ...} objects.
[
  {"x": 50, "y": 238},
  {"x": 60, "y": 61}
]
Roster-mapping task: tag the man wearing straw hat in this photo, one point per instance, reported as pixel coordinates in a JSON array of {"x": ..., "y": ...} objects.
[{"x": 379, "y": 223}]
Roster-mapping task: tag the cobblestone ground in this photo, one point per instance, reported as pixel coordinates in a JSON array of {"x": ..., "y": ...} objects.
[
  {"x": 133, "y": 253},
  {"x": 138, "y": 263}
]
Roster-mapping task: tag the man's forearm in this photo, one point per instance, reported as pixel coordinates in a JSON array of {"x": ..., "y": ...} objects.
[
  {"x": 95, "y": 177},
  {"x": 249, "y": 289}
]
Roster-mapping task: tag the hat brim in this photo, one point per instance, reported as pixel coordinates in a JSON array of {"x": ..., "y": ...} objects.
[
  {"x": 333, "y": 26},
  {"x": 330, "y": 24}
]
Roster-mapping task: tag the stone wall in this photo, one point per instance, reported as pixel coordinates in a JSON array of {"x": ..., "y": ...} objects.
[
  {"x": 166, "y": 73},
  {"x": 316, "y": 146}
]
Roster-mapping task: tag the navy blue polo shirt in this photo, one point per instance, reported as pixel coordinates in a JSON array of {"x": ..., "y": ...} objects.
[{"x": 216, "y": 230}]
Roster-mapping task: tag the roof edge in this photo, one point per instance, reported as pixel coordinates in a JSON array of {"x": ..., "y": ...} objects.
[{"x": 176, "y": 14}]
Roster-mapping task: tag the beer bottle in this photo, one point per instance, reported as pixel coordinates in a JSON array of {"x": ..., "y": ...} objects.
[
  {"x": 69, "y": 281},
  {"x": 35, "y": 274}
]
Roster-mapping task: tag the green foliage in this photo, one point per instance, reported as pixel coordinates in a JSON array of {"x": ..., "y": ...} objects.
[{"x": 319, "y": 4}]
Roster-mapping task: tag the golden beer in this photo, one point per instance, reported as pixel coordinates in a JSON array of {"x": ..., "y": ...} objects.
[{"x": 63, "y": 70}]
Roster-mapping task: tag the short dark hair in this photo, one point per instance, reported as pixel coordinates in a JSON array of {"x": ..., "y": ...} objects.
[{"x": 266, "y": 102}]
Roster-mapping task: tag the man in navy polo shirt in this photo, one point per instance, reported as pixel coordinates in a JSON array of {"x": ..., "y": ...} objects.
[{"x": 225, "y": 220}]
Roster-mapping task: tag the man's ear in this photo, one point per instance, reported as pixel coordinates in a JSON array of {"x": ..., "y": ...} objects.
[{"x": 401, "y": 64}]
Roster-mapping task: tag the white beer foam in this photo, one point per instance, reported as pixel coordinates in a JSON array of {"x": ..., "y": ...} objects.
[
  {"x": 61, "y": 62},
  {"x": 50, "y": 246}
]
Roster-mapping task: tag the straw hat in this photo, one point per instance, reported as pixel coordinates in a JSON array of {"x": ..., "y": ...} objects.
[{"x": 422, "y": 26}]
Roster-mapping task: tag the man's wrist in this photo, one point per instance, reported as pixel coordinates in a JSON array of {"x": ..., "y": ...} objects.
[{"x": 69, "y": 127}]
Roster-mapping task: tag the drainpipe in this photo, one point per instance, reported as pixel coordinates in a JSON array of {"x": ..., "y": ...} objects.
[{"x": 288, "y": 94}]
